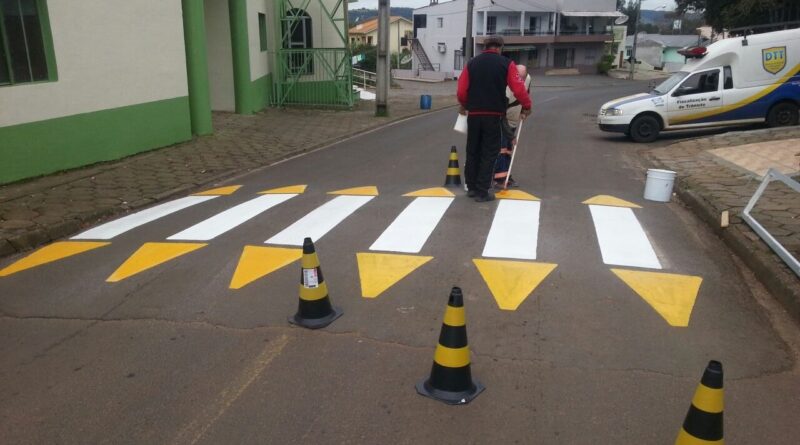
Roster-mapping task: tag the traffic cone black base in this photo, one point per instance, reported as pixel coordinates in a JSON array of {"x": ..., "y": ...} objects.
[
  {"x": 314, "y": 311},
  {"x": 451, "y": 379},
  {"x": 317, "y": 323},
  {"x": 453, "y": 178},
  {"x": 426, "y": 389}
]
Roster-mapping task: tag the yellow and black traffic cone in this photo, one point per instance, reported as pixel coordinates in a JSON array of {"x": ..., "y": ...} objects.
[
  {"x": 451, "y": 380},
  {"x": 703, "y": 424},
  {"x": 453, "y": 178},
  {"x": 314, "y": 310}
]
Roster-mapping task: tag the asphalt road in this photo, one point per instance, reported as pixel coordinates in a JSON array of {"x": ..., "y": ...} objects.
[{"x": 173, "y": 355}]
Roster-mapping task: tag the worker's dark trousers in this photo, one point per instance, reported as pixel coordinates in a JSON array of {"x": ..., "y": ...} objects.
[{"x": 483, "y": 146}]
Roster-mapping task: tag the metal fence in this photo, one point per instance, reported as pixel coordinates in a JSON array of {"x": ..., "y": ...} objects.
[
  {"x": 317, "y": 77},
  {"x": 364, "y": 79}
]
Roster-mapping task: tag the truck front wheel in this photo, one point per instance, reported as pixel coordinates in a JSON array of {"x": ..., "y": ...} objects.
[
  {"x": 783, "y": 114},
  {"x": 645, "y": 129}
]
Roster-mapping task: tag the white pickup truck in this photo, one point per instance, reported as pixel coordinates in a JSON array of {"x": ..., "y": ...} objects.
[{"x": 733, "y": 81}]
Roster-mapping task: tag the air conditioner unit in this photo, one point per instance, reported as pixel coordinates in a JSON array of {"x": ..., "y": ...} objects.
[{"x": 442, "y": 47}]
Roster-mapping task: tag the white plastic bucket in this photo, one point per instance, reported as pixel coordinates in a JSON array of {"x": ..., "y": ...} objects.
[
  {"x": 658, "y": 186},
  {"x": 461, "y": 124}
]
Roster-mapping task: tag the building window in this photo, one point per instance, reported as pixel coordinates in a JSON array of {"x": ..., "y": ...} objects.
[
  {"x": 297, "y": 36},
  {"x": 439, "y": 22},
  {"x": 262, "y": 30},
  {"x": 491, "y": 25},
  {"x": 458, "y": 60},
  {"x": 369, "y": 40},
  {"x": 26, "y": 45}
]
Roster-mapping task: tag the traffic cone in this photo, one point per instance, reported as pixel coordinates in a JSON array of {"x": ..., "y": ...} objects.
[
  {"x": 453, "y": 178},
  {"x": 703, "y": 424},
  {"x": 314, "y": 310},
  {"x": 451, "y": 380}
]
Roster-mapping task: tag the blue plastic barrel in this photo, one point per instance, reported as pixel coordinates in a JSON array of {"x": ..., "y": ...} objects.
[{"x": 425, "y": 102}]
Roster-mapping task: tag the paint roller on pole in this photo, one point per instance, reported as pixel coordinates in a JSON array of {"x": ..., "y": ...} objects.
[{"x": 513, "y": 153}]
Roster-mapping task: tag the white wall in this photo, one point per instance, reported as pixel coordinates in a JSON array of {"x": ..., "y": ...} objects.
[
  {"x": 109, "y": 54},
  {"x": 220, "y": 57},
  {"x": 454, "y": 23},
  {"x": 259, "y": 61}
]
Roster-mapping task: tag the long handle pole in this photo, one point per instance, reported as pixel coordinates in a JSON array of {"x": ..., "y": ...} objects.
[{"x": 513, "y": 153}]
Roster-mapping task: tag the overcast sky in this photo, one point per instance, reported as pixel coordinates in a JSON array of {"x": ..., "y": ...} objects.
[{"x": 373, "y": 4}]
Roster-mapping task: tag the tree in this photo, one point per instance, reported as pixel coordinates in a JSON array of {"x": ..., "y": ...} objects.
[{"x": 726, "y": 14}]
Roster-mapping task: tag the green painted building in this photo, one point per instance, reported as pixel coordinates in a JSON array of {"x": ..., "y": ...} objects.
[{"x": 97, "y": 80}]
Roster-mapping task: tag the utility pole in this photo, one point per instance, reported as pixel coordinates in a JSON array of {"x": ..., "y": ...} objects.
[
  {"x": 468, "y": 41},
  {"x": 635, "y": 38},
  {"x": 382, "y": 71}
]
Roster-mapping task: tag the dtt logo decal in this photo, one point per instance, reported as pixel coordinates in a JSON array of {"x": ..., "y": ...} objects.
[{"x": 774, "y": 59}]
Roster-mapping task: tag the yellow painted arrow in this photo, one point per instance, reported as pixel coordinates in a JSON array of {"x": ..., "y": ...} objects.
[
  {"x": 219, "y": 191},
  {"x": 369, "y": 190},
  {"x": 151, "y": 255},
  {"x": 607, "y": 200},
  {"x": 298, "y": 189},
  {"x": 258, "y": 261},
  {"x": 516, "y": 194},
  {"x": 671, "y": 295},
  {"x": 380, "y": 271},
  {"x": 511, "y": 282},
  {"x": 51, "y": 253},
  {"x": 434, "y": 192}
]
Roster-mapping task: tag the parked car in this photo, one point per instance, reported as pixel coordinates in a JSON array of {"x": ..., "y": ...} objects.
[{"x": 734, "y": 81}]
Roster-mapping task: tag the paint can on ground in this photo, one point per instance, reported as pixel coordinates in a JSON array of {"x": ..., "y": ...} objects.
[
  {"x": 658, "y": 186},
  {"x": 461, "y": 123},
  {"x": 425, "y": 101}
]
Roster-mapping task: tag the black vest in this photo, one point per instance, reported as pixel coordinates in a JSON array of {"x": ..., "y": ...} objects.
[{"x": 487, "y": 82}]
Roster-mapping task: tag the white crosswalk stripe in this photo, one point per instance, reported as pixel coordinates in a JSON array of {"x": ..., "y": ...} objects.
[
  {"x": 320, "y": 220},
  {"x": 413, "y": 226},
  {"x": 119, "y": 226},
  {"x": 230, "y": 219},
  {"x": 622, "y": 239},
  {"x": 515, "y": 231}
]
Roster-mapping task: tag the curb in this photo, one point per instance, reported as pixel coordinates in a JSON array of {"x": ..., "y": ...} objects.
[
  {"x": 44, "y": 234},
  {"x": 781, "y": 283}
]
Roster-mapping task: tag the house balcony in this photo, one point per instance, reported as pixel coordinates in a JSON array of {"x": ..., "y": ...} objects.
[{"x": 531, "y": 36}]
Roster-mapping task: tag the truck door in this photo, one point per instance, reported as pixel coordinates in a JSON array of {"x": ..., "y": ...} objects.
[{"x": 698, "y": 96}]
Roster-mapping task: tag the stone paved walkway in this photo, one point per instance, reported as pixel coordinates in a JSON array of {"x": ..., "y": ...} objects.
[
  {"x": 720, "y": 173},
  {"x": 37, "y": 211}
]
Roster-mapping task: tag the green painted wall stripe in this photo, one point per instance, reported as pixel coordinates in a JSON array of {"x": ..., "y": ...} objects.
[
  {"x": 240, "y": 47},
  {"x": 47, "y": 39},
  {"x": 43, "y": 147},
  {"x": 261, "y": 92},
  {"x": 194, "y": 32}
]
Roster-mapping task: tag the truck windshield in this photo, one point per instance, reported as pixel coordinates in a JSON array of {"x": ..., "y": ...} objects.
[{"x": 670, "y": 83}]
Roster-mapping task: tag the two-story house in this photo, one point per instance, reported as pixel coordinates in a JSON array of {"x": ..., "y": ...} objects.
[{"x": 541, "y": 35}]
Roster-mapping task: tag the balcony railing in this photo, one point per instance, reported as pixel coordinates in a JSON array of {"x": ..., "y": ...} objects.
[
  {"x": 535, "y": 32},
  {"x": 516, "y": 32}
]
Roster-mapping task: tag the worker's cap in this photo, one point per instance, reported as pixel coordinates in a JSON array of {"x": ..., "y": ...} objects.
[{"x": 493, "y": 41}]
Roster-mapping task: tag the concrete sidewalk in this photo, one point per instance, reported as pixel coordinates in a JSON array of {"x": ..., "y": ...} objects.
[
  {"x": 721, "y": 173},
  {"x": 41, "y": 210}
]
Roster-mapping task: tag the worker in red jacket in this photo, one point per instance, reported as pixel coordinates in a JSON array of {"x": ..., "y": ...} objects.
[{"x": 482, "y": 95}]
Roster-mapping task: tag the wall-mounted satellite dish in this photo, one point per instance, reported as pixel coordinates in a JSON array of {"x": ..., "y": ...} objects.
[{"x": 621, "y": 20}]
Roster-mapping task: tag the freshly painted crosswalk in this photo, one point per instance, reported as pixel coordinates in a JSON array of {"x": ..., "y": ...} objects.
[
  {"x": 408, "y": 233},
  {"x": 257, "y": 262},
  {"x": 509, "y": 262},
  {"x": 623, "y": 242},
  {"x": 513, "y": 236}
]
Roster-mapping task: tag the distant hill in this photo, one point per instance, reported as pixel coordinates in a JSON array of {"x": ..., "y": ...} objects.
[{"x": 355, "y": 16}]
